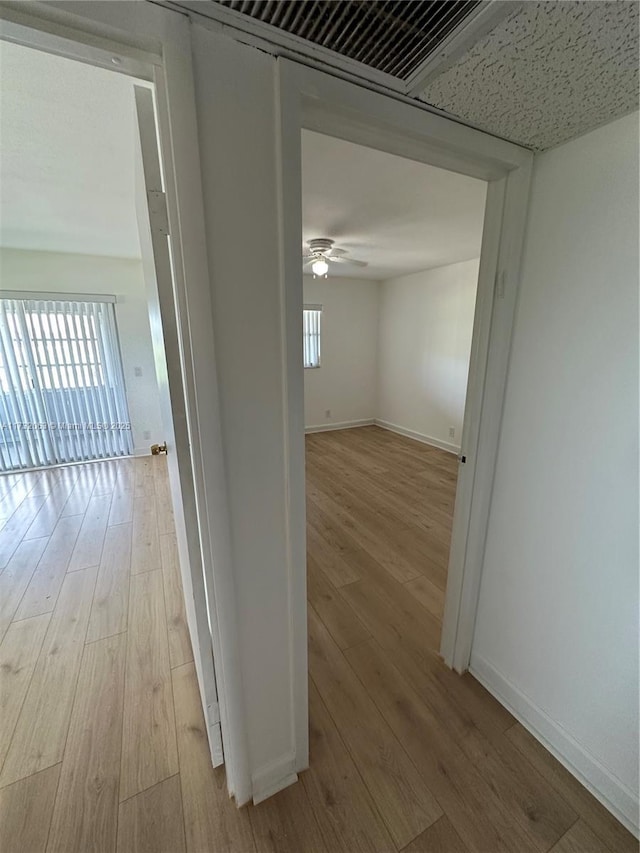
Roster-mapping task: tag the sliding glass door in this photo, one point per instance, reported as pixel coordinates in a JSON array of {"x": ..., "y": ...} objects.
[{"x": 62, "y": 393}]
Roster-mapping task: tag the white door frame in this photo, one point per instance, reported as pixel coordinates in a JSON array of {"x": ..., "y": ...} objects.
[
  {"x": 153, "y": 43},
  {"x": 313, "y": 100},
  {"x": 155, "y": 244}
]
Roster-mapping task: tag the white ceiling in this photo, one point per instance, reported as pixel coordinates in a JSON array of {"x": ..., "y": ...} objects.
[
  {"x": 67, "y": 179},
  {"x": 66, "y": 164},
  {"x": 398, "y": 215},
  {"x": 548, "y": 72}
]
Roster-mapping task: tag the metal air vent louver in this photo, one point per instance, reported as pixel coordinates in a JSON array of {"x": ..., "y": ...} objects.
[{"x": 393, "y": 36}]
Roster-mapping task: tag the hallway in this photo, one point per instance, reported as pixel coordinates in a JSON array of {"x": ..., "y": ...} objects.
[{"x": 102, "y": 739}]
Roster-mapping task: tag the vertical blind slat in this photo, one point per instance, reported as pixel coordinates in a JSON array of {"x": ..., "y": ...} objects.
[
  {"x": 117, "y": 373},
  {"x": 51, "y": 377},
  {"x": 69, "y": 403},
  {"x": 75, "y": 381},
  {"x": 36, "y": 400},
  {"x": 94, "y": 399},
  {"x": 109, "y": 416},
  {"x": 11, "y": 403},
  {"x": 19, "y": 401}
]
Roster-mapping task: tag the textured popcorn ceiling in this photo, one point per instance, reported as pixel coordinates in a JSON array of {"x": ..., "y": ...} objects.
[{"x": 548, "y": 72}]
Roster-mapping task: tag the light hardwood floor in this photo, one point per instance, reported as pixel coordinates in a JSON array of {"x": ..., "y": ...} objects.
[
  {"x": 405, "y": 754},
  {"x": 102, "y": 741}
]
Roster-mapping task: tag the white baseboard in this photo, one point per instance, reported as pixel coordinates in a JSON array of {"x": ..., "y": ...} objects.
[
  {"x": 341, "y": 425},
  {"x": 273, "y": 777},
  {"x": 605, "y": 787},
  {"x": 418, "y": 436}
]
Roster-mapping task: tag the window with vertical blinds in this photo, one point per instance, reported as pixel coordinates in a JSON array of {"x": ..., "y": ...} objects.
[
  {"x": 311, "y": 322},
  {"x": 62, "y": 393}
]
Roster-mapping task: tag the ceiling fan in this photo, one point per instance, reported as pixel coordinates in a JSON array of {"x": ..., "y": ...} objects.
[{"x": 321, "y": 254}]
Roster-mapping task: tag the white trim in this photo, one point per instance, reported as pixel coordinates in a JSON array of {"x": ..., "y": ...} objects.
[
  {"x": 419, "y": 436},
  {"x": 57, "y": 297},
  {"x": 178, "y": 125},
  {"x": 273, "y": 777},
  {"x": 279, "y": 42},
  {"x": 340, "y": 425},
  {"x": 579, "y": 761},
  {"x": 288, "y": 151},
  {"x": 411, "y": 130},
  {"x": 498, "y": 282},
  {"x": 317, "y": 101},
  {"x": 59, "y": 33}
]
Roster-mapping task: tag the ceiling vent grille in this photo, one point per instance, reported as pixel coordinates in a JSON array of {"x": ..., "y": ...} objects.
[{"x": 393, "y": 36}]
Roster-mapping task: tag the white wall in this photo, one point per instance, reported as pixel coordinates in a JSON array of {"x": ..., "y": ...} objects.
[
  {"x": 557, "y": 625},
  {"x": 346, "y": 382},
  {"x": 235, "y": 99},
  {"x": 54, "y": 272},
  {"x": 424, "y": 343}
]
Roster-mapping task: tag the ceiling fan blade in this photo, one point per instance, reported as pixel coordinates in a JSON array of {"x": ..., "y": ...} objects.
[
  {"x": 348, "y": 261},
  {"x": 335, "y": 252}
]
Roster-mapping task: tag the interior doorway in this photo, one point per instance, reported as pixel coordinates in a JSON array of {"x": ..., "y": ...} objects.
[
  {"x": 389, "y": 301},
  {"x": 101, "y": 560},
  {"x": 387, "y": 352}
]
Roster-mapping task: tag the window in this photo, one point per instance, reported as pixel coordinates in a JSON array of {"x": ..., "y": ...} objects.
[
  {"x": 64, "y": 350},
  {"x": 311, "y": 317},
  {"x": 62, "y": 394}
]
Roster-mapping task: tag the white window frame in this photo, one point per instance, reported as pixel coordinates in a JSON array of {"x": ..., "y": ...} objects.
[{"x": 307, "y": 348}]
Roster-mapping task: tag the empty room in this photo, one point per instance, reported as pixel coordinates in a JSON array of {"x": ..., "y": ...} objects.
[
  {"x": 94, "y": 631},
  {"x": 389, "y": 302},
  {"x": 319, "y": 426}
]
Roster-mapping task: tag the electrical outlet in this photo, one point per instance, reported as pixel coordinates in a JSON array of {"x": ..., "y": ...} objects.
[
  {"x": 146, "y": 434},
  {"x": 327, "y": 413},
  {"x": 452, "y": 432}
]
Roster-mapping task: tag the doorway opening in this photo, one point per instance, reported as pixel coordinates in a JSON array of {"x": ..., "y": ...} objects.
[
  {"x": 393, "y": 318},
  {"x": 104, "y": 599},
  {"x": 388, "y": 402}
]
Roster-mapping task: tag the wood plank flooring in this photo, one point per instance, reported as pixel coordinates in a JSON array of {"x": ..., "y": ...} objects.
[
  {"x": 102, "y": 740},
  {"x": 442, "y": 764}
]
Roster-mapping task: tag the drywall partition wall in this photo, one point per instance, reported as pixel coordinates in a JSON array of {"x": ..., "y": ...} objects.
[
  {"x": 235, "y": 99},
  {"x": 57, "y": 272},
  {"x": 345, "y": 384},
  {"x": 557, "y": 624},
  {"x": 424, "y": 342}
]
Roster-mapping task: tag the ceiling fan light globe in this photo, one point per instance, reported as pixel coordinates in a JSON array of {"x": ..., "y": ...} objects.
[{"x": 320, "y": 267}]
